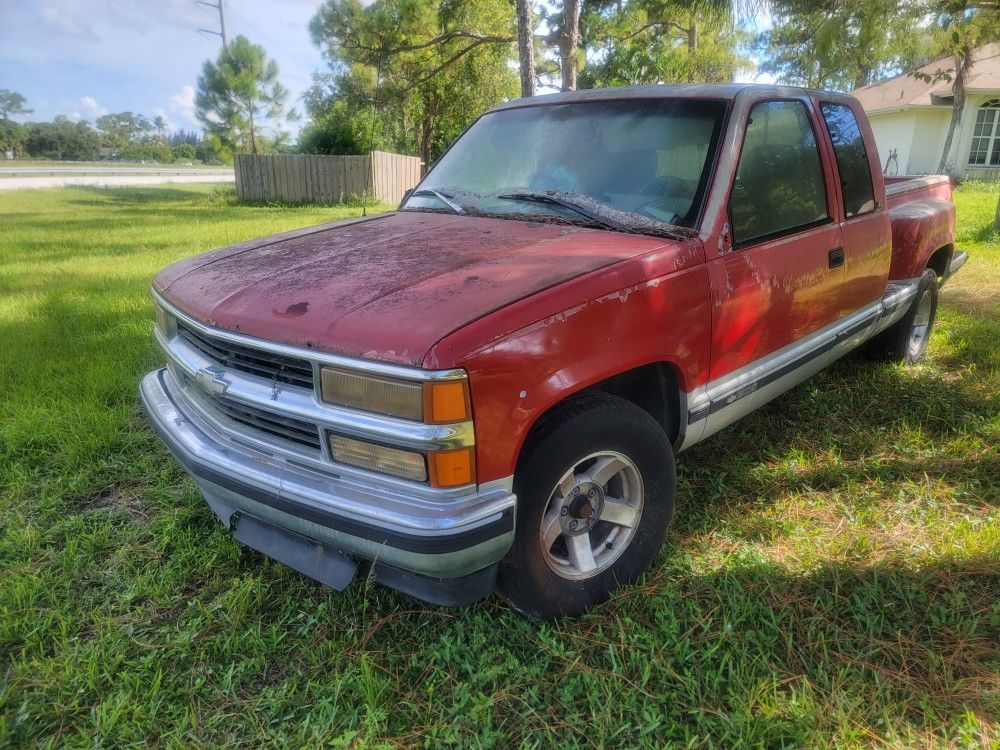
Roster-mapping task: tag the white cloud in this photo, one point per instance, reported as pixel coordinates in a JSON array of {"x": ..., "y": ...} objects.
[
  {"x": 91, "y": 107},
  {"x": 182, "y": 104},
  {"x": 65, "y": 22}
]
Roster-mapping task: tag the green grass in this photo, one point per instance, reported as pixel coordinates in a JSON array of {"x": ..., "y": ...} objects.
[{"x": 832, "y": 578}]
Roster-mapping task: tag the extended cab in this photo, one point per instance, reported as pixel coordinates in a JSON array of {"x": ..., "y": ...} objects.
[{"x": 486, "y": 388}]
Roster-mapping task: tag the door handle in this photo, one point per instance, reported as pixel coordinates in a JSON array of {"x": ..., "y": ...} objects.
[{"x": 836, "y": 257}]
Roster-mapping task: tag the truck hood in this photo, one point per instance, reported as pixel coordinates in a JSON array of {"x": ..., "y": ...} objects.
[{"x": 389, "y": 287}]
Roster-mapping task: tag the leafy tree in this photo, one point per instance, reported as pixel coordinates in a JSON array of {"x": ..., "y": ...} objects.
[
  {"x": 650, "y": 40},
  {"x": 184, "y": 136},
  {"x": 12, "y": 137},
  {"x": 840, "y": 44},
  {"x": 63, "y": 140},
  {"x": 959, "y": 28},
  {"x": 654, "y": 41},
  {"x": 122, "y": 128},
  {"x": 184, "y": 152},
  {"x": 159, "y": 125},
  {"x": 238, "y": 95},
  {"x": 153, "y": 150},
  {"x": 208, "y": 151},
  {"x": 435, "y": 64},
  {"x": 343, "y": 129},
  {"x": 12, "y": 103}
]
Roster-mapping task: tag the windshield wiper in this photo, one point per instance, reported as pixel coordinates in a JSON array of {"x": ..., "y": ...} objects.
[
  {"x": 553, "y": 200},
  {"x": 444, "y": 198}
]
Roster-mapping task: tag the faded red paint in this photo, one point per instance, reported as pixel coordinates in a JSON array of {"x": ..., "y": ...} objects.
[
  {"x": 535, "y": 312},
  {"x": 922, "y": 226},
  {"x": 427, "y": 274}
]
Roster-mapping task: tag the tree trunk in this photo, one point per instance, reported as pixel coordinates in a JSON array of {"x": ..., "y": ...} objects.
[
  {"x": 864, "y": 76},
  {"x": 692, "y": 33},
  {"x": 963, "y": 61},
  {"x": 569, "y": 40},
  {"x": 426, "y": 141},
  {"x": 526, "y": 46}
]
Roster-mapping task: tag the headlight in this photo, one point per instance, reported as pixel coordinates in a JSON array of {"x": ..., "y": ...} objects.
[{"x": 440, "y": 402}]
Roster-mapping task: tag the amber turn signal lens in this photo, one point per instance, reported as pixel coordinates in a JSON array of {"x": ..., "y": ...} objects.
[
  {"x": 446, "y": 401},
  {"x": 452, "y": 468}
]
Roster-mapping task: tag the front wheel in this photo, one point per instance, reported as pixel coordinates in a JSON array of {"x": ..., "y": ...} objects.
[{"x": 595, "y": 495}]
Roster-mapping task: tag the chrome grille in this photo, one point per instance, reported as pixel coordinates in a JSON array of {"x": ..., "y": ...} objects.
[
  {"x": 220, "y": 408},
  {"x": 264, "y": 364},
  {"x": 294, "y": 430}
]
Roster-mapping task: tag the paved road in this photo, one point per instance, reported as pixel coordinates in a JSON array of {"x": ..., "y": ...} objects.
[{"x": 18, "y": 178}]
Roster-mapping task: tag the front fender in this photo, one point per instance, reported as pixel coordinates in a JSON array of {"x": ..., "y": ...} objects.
[{"x": 522, "y": 375}]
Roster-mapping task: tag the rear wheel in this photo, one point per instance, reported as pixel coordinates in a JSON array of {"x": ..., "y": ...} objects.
[
  {"x": 906, "y": 339},
  {"x": 595, "y": 494}
]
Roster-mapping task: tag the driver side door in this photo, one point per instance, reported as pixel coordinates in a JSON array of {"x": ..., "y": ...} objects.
[{"x": 781, "y": 278}]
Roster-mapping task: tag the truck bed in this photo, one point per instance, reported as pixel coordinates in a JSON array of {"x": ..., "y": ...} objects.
[
  {"x": 922, "y": 215},
  {"x": 906, "y": 188}
]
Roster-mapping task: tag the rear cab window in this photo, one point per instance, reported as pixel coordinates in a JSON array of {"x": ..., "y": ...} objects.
[
  {"x": 852, "y": 158},
  {"x": 779, "y": 186}
]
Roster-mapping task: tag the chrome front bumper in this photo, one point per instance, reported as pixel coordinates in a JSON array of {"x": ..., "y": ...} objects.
[{"x": 415, "y": 543}]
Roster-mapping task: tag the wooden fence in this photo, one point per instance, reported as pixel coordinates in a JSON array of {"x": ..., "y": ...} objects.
[{"x": 315, "y": 178}]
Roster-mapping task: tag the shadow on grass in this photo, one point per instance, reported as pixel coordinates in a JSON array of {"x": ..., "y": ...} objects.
[
  {"x": 241, "y": 650},
  {"x": 137, "y": 196},
  {"x": 986, "y": 233}
]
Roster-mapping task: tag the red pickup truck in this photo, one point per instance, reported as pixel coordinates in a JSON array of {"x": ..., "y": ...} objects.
[{"x": 485, "y": 390}]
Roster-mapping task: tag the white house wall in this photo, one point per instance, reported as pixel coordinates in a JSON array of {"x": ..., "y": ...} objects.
[
  {"x": 929, "y": 131},
  {"x": 894, "y": 130},
  {"x": 919, "y": 133}
]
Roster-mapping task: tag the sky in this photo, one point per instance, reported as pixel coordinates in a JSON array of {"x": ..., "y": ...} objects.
[{"x": 85, "y": 58}]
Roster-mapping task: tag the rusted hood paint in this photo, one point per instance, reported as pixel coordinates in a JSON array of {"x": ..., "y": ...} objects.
[{"x": 387, "y": 288}]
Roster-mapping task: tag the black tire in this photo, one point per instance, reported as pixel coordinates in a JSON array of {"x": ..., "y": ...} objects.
[
  {"x": 582, "y": 427},
  {"x": 902, "y": 341}
]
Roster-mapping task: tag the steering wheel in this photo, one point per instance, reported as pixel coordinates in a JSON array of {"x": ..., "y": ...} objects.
[{"x": 658, "y": 204}]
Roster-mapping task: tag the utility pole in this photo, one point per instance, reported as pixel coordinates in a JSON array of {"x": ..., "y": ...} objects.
[{"x": 222, "y": 20}]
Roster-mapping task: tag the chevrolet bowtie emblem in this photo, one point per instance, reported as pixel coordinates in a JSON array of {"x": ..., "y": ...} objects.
[{"x": 212, "y": 379}]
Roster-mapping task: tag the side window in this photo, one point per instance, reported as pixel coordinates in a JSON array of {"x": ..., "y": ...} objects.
[
  {"x": 852, "y": 159},
  {"x": 779, "y": 181}
]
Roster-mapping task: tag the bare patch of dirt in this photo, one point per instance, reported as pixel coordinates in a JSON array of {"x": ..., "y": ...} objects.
[{"x": 130, "y": 502}]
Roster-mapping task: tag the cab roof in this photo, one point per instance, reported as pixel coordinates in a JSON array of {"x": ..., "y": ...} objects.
[{"x": 725, "y": 91}]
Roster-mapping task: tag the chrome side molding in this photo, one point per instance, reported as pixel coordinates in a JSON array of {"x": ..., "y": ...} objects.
[{"x": 726, "y": 399}]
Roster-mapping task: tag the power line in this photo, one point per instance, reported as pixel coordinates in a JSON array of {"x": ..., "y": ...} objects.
[
  {"x": 264, "y": 37},
  {"x": 222, "y": 20}
]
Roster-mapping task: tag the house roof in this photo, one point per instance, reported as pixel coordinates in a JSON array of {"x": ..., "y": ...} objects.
[{"x": 906, "y": 91}]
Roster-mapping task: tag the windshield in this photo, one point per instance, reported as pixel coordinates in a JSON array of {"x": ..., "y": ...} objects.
[{"x": 631, "y": 165}]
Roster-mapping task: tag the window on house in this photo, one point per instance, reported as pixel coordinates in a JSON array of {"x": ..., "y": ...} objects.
[
  {"x": 779, "y": 184},
  {"x": 985, "y": 151},
  {"x": 852, "y": 159}
]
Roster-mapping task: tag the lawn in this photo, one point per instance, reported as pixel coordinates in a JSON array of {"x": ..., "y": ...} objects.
[{"x": 832, "y": 578}]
